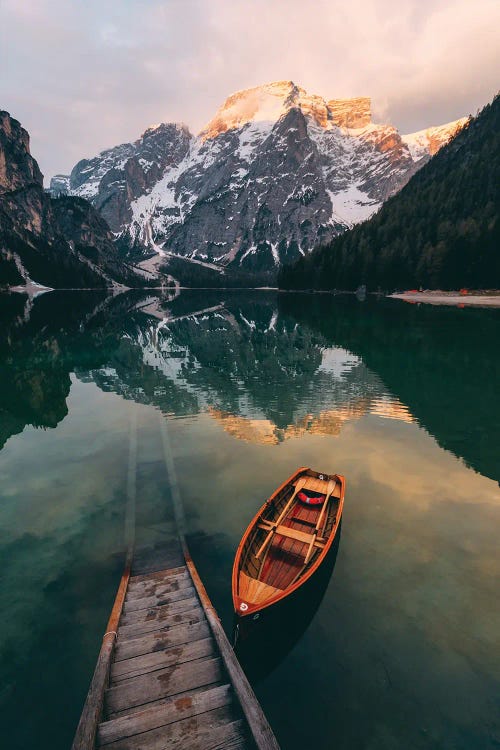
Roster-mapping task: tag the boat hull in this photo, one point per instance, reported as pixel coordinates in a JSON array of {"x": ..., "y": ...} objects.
[
  {"x": 276, "y": 558},
  {"x": 277, "y": 628}
]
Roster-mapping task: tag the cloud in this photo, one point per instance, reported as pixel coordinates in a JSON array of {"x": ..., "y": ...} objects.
[{"x": 84, "y": 76}]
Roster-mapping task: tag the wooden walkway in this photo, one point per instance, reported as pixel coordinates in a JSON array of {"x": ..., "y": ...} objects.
[{"x": 167, "y": 676}]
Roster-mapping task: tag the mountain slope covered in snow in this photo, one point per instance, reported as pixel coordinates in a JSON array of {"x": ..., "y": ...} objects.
[
  {"x": 441, "y": 231},
  {"x": 276, "y": 172}
]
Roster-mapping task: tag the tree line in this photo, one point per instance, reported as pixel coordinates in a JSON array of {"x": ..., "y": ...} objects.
[{"x": 440, "y": 231}]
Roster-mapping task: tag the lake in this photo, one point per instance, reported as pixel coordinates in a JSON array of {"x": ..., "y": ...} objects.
[{"x": 400, "y": 649}]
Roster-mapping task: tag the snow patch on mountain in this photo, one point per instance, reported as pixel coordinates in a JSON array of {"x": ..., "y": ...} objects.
[
  {"x": 274, "y": 173},
  {"x": 352, "y": 206},
  {"x": 429, "y": 141}
]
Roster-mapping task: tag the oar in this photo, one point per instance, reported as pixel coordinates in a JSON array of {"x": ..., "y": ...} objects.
[
  {"x": 301, "y": 482},
  {"x": 330, "y": 489}
]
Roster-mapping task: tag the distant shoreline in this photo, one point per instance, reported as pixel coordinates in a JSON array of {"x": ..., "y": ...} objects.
[{"x": 451, "y": 298}]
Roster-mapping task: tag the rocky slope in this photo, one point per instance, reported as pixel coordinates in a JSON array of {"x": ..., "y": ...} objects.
[
  {"x": 274, "y": 173},
  {"x": 55, "y": 242},
  {"x": 442, "y": 231}
]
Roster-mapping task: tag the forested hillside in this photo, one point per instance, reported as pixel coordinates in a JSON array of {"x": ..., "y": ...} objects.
[{"x": 440, "y": 231}]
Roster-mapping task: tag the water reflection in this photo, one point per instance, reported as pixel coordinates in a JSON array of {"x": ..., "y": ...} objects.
[
  {"x": 262, "y": 376},
  {"x": 253, "y": 385},
  {"x": 266, "y": 372},
  {"x": 442, "y": 363}
]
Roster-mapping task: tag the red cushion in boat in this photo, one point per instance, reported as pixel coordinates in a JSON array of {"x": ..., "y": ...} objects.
[{"x": 311, "y": 498}]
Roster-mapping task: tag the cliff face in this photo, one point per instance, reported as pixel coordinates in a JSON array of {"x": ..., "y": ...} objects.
[
  {"x": 17, "y": 167},
  {"x": 54, "y": 242},
  {"x": 350, "y": 113},
  {"x": 441, "y": 232},
  {"x": 274, "y": 173},
  {"x": 116, "y": 177}
]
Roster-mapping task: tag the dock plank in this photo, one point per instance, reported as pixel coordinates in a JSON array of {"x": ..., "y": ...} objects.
[
  {"x": 212, "y": 730},
  {"x": 163, "y": 683},
  {"x": 171, "y": 572},
  {"x": 155, "y": 562},
  {"x": 159, "y": 612},
  {"x": 159, "y": 640},
  {"x": 137, "y": 665},
  {"x": 158, "y": 587},
  {"x": 195, "y": 614},
  {"x": 157, "y": 601},
  {"x": 157, "y": 716}
]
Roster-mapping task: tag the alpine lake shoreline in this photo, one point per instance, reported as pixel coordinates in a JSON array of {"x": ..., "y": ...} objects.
[{"x": 473, "y": 298}]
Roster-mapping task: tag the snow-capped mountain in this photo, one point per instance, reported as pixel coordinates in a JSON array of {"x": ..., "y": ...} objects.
[
  {"x": 274, "y": 173},
  {"x": 427, "y": 142},
  {"x": 118, "y": 176}
]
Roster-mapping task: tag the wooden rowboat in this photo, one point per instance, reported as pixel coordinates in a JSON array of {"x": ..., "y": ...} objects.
[{"x": 287, "y": 540}]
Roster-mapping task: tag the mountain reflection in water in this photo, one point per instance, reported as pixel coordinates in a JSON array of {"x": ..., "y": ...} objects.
[
  {"x": 398, "y": 648},
  {"x": 266, "y": 369}
]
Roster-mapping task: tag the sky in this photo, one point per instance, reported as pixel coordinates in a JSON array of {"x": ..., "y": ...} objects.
[{"x": 84, "y": 75}]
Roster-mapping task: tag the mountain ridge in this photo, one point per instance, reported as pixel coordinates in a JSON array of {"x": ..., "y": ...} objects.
[
  {"x": 275, "y": 172},
  {"x": 440, "y": 231},
  {"x": 52, "y": 242}
]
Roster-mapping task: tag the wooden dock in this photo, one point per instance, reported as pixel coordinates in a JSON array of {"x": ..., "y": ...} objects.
[{"x": 167, "y": 677}]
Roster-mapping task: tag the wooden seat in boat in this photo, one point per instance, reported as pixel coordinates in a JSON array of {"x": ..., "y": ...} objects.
[
  {"x": 299, "y": 536},
  {"x": 320, "y": 485}
]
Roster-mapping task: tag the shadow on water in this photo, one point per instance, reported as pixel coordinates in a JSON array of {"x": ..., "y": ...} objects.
[{"x": 267, "y": 641}]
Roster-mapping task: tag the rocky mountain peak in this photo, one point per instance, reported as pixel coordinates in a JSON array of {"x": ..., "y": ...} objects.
[
  {"x": 56, "y": 242},
  {"x": 270, "y": 102},
  {"x": 276, "y": 172},
  {"x": 165, "y": 128},
  {"x": 18, "y": 169},
  {"x": 351, "y": 113},
  {"x": 119, "y": 175},
  {"x": 265, "y": 103}
]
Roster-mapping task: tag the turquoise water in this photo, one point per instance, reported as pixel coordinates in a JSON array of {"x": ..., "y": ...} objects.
[{"x": 402, "y": 650}]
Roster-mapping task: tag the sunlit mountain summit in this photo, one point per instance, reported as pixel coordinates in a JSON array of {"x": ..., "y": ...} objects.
[{"x": 275, "y": 172}]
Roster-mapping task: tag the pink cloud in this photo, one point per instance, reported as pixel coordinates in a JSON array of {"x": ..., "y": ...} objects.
[{"x": 84, "y": 76}]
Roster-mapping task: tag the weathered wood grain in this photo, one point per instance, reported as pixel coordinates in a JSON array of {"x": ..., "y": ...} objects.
[
  {"x": 212, "y": 730},
  {"x": 158, "y": 613},
  {"x": 159, "y": 574},
  {"x": 137, "y": 629},
  {"x": 128, "y": 668},
  {"x": 183, "y": 633},
  {"x": 163, "y": 683},
  {"x": 131, "y": 605},
  {"x": 158, "y": 586},
  {"x": 156, "y": 560},
  {"x": 159, "y": 715}
]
